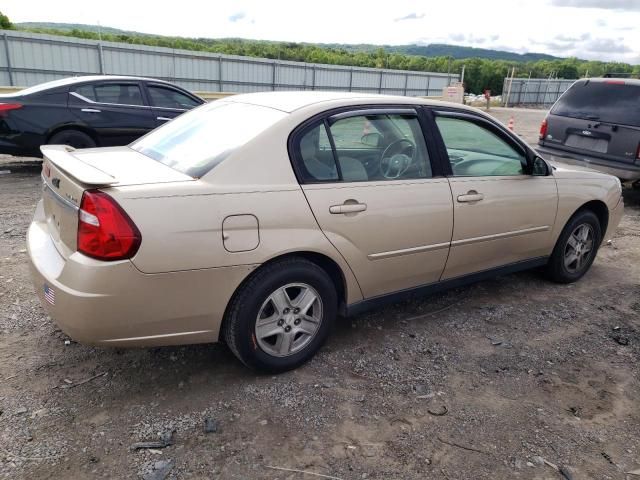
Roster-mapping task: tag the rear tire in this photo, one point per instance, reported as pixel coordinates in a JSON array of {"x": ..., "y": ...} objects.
[
  {"x": 73, "y": 138},
  {"x": 576, "y": 248},
  {"x": 281, "y": 316}
]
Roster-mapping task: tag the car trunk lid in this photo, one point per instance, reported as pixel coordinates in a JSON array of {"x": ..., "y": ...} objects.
[
  {"x": 67, "y": 173},
  {"x": 606, "y": 140}
]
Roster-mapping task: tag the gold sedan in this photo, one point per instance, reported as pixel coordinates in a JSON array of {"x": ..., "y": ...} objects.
[{"x": 261, "y": 218}]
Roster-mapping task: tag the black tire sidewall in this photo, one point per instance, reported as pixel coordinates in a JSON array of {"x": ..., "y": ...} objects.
[
  {"x": 250, "y": 301},
  {"x": 73, "y": 138},
  {"x": 560, "y": 272}
]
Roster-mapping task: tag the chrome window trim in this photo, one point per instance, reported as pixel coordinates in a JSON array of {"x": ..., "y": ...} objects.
[{"x": 150, "y": 107}]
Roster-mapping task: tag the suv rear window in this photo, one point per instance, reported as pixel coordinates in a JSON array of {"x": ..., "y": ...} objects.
[
  {"x": 200, "y": 139},
  {"x": 609, "y": 101}
]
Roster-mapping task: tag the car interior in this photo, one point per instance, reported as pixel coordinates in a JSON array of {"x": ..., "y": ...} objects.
[{"x": 368, "y": 148}]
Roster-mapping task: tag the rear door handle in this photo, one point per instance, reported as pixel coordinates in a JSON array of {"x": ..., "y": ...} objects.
[
  {"x": 348, "y": 208},
  {"x": 91, "y": 110},
  {"x": 163, "y": 119},
  {"x": 470, "y": 196}
]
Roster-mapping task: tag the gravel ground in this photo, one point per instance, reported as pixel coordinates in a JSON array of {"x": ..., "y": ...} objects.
[{"x": 510, "y": 378}]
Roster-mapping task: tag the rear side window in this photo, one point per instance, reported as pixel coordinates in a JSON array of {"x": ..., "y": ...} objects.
[
  {"x": 609, "y": 101},
  {"x": 120, "y": 93},
  {"x": 200, "y": 139},
  {"x": 165, "y": 97}
]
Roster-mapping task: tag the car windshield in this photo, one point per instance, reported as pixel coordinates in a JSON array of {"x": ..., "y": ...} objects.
[
  {"x": 608, "y": 101},
  {"x": 198, "y": 140}
]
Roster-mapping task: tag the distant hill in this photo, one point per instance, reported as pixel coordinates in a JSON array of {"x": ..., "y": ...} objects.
[
  {"x": 67, "y": 27},
  {"x": 431, "y": 50}
]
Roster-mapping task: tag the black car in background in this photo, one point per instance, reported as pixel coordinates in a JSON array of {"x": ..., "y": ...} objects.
[
  {"x": 596, "y": 123},
  {"x": 89, "y": 111}
]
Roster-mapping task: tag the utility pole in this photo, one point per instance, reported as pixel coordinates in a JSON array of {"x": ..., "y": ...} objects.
[{"x": 513, "y": 72}]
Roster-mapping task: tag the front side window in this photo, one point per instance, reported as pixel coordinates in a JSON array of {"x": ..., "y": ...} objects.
[
  {"x": 201, "y": 138},
  {"x": 475, "y": 151},
  {"x": 367, "y": 148},
  {"x": 86, "y": 91},
  {"x": 118, "y": 93},
  {"x": 166, "y": 97}
]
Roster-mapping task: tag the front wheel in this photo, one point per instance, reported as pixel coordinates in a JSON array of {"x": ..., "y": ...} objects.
[
  {"x": 576, "y": 248},
  {"x": 281, "y": 317}
]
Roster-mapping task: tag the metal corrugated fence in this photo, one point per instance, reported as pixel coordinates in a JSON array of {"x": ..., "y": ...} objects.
[
  {"x": 534, "y": 91},
  {"x": 28, "y": 59}
]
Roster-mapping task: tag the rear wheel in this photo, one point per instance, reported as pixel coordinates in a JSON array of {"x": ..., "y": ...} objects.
[
  {"x": 73, "y": 138},
  {"x": 281, "y": 317},
  {"x": 576, "y": 248}
]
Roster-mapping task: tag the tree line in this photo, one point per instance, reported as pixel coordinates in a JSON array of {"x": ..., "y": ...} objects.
[{"x": 480, "y": 73}]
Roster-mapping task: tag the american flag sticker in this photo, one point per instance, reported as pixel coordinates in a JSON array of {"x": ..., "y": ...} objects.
[{"x": 49, "y": 294}]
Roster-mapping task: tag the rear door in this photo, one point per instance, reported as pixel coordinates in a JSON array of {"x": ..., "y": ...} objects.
[
  {"x": 597, "y": 118},
  {"x": 115, "y": 110},
  {"x": 382, "y": 207},
  {"x": 168, "y": 102},
  {"x": 502, "y": 215}
]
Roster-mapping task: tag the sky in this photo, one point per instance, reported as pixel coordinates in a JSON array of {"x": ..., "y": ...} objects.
[{"x": 590, "y": 29}]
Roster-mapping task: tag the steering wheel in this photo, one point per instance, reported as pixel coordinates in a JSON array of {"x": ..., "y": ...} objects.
[{"x": 397, "y": 164}]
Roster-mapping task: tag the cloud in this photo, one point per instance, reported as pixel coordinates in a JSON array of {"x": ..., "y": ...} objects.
[
  {"x": 236, "y": 17},
  {"x": 472, "y": 39},
  {"x": 585, "y": 47},
  {"x": 627, "y": 5},
  {"x": 601, "y": 23},
  {"x": 411, "y": 16}
]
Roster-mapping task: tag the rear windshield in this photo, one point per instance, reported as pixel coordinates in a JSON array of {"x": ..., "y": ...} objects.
[
  {"x": 198, "y": 140},
  {"x": 611, "y": 102}
]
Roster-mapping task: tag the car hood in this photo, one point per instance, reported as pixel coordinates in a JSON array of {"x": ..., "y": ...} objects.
[{"x": 564, "y": 170}]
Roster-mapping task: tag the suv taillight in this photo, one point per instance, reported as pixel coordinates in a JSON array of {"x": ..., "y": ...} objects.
[
  {"x": 105, "y": 231},
  {"x": 543, "y": 129}
]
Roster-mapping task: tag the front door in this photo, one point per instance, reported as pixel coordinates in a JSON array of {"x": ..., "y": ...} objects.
[
  {"x": 368, "y": 178},
  {"x": 502, "y": 214},
  {"x": 167, "y": 102}
]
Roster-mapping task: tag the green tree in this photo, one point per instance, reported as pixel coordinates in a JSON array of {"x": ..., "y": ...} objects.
[{"x": 5, "y": 23}]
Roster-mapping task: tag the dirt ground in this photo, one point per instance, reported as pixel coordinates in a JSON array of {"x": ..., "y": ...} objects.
[{"x": 510, "y": 378}]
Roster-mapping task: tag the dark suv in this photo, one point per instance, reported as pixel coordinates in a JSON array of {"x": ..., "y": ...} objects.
[
  {"x": 87, "y": 112},
  {"x": 596, "y": 123}
]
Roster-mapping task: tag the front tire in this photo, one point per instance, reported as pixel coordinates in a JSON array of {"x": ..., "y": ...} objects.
[
  {"x": 576, "y": 248},
  {"x": 281, "y": 316}
]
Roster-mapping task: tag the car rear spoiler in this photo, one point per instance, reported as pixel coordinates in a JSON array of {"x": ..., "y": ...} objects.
[{"x": 62, "y": 157}]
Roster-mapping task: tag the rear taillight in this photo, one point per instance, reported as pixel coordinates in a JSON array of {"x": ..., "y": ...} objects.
[
  {"x": 105, "y": 231},
  {"x": 5, "y": 108},
  {"x": 543, "y": 129},
  {"x": 638, "y": 153}
]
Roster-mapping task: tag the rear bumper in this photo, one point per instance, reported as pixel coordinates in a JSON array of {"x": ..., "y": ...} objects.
[
  {"x": 624, "y": 171},
  {"x": 113, "y": 303},
  {"x": 11, "y": 145}
]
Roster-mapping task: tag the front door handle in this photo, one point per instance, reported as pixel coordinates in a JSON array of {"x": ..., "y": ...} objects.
[
  {"x": 91, "y": 110},
  {"x": 470, "y": 196},
  {"x": 163, "y": 119},
  {"x": 348, "y": 208}
]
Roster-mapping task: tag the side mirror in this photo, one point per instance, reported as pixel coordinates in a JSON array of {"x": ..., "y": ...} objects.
[
  {"x": 538, "y": 166},
  {"x": 371, "y": 139}
]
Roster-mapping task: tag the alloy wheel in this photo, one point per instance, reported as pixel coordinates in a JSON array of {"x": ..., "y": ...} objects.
[
  {"x": 288, "y": 319},
  {"x": 579, "y": 248}
]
